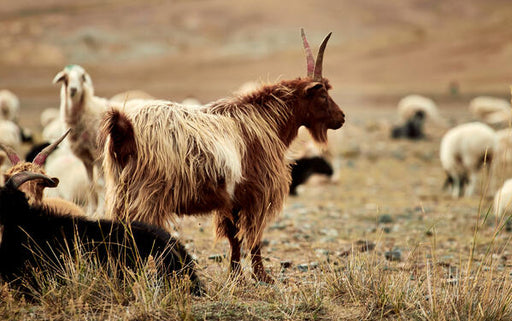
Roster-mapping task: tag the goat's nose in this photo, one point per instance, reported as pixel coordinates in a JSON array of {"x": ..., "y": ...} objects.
[{"x": 72, "y": 91}]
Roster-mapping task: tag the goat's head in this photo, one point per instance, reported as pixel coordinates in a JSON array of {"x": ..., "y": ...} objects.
[
  {"x": 75, "y": 80},
  {"x": 35, "y": 188},
  {"x": 318, "y": 110}
]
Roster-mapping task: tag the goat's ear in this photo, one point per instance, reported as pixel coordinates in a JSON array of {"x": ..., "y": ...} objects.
[
  {"x": 59, "y": 77},
  {"x": 312, "y": 87},
  {"x": 48, "y": 183}
]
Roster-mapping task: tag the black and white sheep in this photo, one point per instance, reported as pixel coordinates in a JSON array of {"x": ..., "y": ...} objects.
[
  {"x": 35, "y": 237},
  {"x": 412, "y": 129}
]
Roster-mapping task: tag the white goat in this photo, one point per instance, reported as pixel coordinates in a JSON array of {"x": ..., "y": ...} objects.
[
  {"x": 81, "y": 111},
  {"x": 491, "y": 110},
  {"x": 409, "y": 105},
  {"x": 9, "y": 105},
  {"x": 464, "y": 149}
]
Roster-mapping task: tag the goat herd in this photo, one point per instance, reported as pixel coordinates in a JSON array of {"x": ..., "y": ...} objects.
[
  {"x": 127, "y": 166},
  {"x": 120, "y": 170}
]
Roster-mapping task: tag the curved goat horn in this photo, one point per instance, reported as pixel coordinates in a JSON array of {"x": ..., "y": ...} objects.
[
  {"x": 41, "y": 157},
  {"x": 11, "y": 153},
  {"x": 320, "y": 57},
  {"x": 17, "y": 179},
  {"x": 309, "y": 55}
]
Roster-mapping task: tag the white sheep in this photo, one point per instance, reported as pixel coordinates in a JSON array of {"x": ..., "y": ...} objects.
[
  {"x": 9, "y": 105},
  {"x": 464, "y": 149},
  {"x": 191, "y": 101},
  {"x": 491, "y": 110},
  {"x": 81, "y": 111},
  {"x": 48, "y": 115},
  {"x": 409, "y": 105},
  {"x": 130, "y": 95},
  {"x": 10, "y": 135},
  {"x": 74, "y": 184},
  {"x": 503, "y": 199}
]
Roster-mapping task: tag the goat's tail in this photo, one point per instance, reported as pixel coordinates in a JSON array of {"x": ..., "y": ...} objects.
[{"x": 118, "y": 127}]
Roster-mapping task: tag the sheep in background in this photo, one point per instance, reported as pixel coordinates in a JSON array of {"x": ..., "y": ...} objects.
[
  {"x": 464, "y": 150},
  {"x": 491, "y": 110},
  {"x": 248, "y": 87},
  {"x": 10, "y": 135},
  {"x": 35, "y": 190},
  {"x": 409, "y": 105},
  {"x": 191, "y": 101},
  {"x": 412, "y": 129},
  {"x": 130, "y": 95},
  {"x": 44, "y": 238},
  {"x": 9, "y": 105},
  {"x": 81, "y": 111},
  {"x": 227, "y": 157},
  {"x": 503, "y": 199}
]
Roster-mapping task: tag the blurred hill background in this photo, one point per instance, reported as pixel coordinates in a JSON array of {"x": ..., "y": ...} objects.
[{"x": 379, "y": 50}]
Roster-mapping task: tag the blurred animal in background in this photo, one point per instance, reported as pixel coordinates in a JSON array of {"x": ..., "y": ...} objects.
[
  {"x": 9, "y": 106},
  {"x": 412, "y": 129},
  {"x": 303, "y": 168},
  {"x": 130, "y": 95},
  {"x": 227, "y": 157},
  {"x": 491, "y": 110},
  {"x": 9, "y": 114},
  {"x": 410, "y": 105},
  {"x": 41, "y": 237},
  {"x": 503, "y": 199},
  {"x": 464, "y": 150}
]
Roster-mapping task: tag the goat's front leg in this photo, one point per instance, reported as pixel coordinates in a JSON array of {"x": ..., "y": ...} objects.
[{"x": 257, "y": 265}]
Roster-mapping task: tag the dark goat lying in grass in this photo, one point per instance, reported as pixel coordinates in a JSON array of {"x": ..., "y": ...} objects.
[
  {"x": 36, "y": 237},
  {"x": 305, "y": 167}
]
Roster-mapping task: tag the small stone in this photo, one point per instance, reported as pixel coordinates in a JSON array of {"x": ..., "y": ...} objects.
[
  {"x": 286, "y": 264},
  {"x": 277, "y": 226},
  {"x": 429, "y": 233},
  {"x": 216, "y": 258},
  {"x": 307, "y": 266},
  {"x": 385, "y": 218},
  {"x": 395, "y": 255},
  {"x": 387, "y": 229}
]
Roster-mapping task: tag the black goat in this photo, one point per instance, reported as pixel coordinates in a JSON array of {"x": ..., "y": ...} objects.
[
  {"x": 35, "y": 237},
  {"x": 305, "y": 167},
  {"x": 34, "y": 151},
  {"x": 412, "y": 129}
]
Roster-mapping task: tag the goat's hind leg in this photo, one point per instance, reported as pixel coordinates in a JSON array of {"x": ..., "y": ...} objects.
[{"x": 257, "y": 265}]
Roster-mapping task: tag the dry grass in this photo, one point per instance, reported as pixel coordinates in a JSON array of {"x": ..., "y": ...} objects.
[{"x": 454, "y": 265}]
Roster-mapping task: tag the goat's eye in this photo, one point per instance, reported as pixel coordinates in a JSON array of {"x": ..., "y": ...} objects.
[{"x": 83, "y": 78}]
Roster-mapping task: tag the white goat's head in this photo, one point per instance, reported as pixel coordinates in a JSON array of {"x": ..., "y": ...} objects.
[{"x": 75, "y": 81}]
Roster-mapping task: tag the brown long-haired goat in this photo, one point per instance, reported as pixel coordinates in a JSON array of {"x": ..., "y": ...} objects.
[{"x": 228, "y": 157}]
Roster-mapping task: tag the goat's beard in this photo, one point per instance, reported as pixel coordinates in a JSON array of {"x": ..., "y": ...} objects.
[{"x": 319, "y": 133}]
